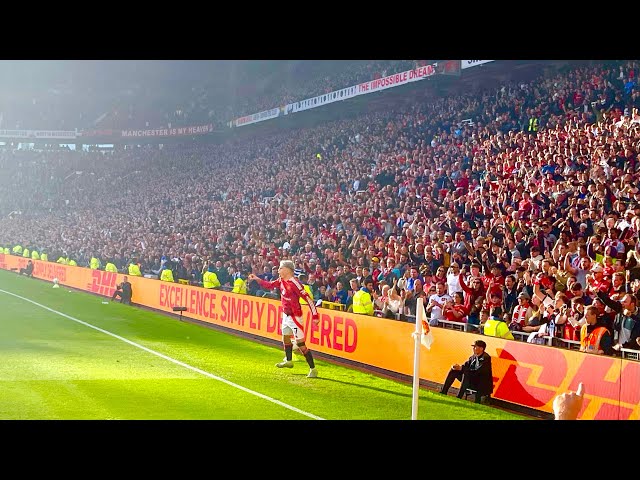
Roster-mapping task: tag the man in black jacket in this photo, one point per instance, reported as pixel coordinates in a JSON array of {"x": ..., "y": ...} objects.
[
  {"x": 475, "y": 374},
  {"x": 124, "y": 291},
  {"x": 28, "y": 270}
]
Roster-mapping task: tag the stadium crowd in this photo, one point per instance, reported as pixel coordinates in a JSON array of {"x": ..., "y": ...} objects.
[{"x": 517, "y": 208}]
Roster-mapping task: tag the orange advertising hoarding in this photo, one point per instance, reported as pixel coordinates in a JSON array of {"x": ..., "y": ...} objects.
[{"x": 524, "y": 374}]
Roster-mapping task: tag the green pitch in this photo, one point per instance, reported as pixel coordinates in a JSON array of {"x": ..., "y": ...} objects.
[{"x": 69, "y": 356}]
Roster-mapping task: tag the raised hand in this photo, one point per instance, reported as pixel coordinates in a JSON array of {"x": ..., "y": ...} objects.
[{"x": 567, "y": 406}]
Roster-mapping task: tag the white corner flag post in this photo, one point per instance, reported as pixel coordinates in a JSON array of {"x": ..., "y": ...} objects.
[{"x": 416, "y": 357}]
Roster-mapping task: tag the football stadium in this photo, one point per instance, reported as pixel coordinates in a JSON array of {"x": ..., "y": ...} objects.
[{"x": 319, "y": 240}]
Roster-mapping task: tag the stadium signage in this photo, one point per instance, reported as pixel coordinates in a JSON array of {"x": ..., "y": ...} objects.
[
  {"x": 473, "y": 63},
  {"x": 97, "y": 133},
  {"x": 321, "y": 100},
  {"x": 371, "y": 86},
  {"x": 397, "y": 79},
  {"x": 50, "y": 270},
  {"x": 257, "y": 117},
  {"x": 39, "y": 134},
  {"x": 169, "y": 132},
  {"x": 102, "y": 283}
]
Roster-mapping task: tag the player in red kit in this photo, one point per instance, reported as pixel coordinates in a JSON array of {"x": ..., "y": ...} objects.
[{"x": 291, "y": 290}]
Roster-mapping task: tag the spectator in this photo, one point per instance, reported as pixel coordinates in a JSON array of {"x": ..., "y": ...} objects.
[
  {"x": 496, "y": 326},
  {"x": 341, "y": 295},
  {"x": 392, "y": 304},
  {"x": 522, "y": 313},
  {"x": 626, "y": 325},
  {"x": 363, "y": 299},
  {"x": 476, "y": 374},
  {"x": 594, "y": 335},
  {"x": 454, "y": 310},
  {"x": 124, "y": 291},
  {"x": 354, "y": 287},
  {"x": 209, "y": 278},
  {"x": 166, "y": 275},
  {"x": 28, "y": 270},
  {"x": 436, "y": 303}
]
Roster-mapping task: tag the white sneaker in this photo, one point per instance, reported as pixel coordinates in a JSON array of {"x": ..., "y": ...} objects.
[
  {"x": 285, "y": 364},
  {"x": 313, "y": 373}
]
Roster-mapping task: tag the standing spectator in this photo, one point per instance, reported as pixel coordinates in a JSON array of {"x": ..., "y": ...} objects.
[
  {"x": 411, "y": 299},
  {"x": 392, "y": 305},
  {"x": 455, "y": 310},
  {"x": 509, "y": 295},
  {"x": 473, "y": 297},
  {"x": 209, "y": 278},
  {"x": 436, "y": 303},
  {"x": 363, "y": 298},
  {"x": 166, "y": 274},
  {"x": 110, "y": 267},
  {"x": 453, "y": 279},
  {"x": 626, "y": 323},
  {"x": 222, "y": 273},
  {"x": 594, "y": 335},
  {"x": 134, "y": 268},
  {"x": 521, "y": 313},
  {"x": 341, "y": 295}
]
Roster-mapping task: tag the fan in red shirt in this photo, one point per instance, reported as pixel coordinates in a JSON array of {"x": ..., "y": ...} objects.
[
  {"x": 596, "y": 281},
  {"x": 454, "y": 310},
  {"x": 494, "y": 280},
  {"x": 525, "y": 206},
  {"x": 291, "y": 290}
]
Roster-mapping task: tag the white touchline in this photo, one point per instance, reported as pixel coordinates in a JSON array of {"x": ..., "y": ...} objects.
[{"x": 173, "y": 360}]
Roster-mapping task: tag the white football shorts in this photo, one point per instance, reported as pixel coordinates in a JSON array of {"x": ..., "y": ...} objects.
[{"x": 292, "y": 326}]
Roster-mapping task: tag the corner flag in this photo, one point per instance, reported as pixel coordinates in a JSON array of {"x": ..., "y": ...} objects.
[
  {"x": 427, "y": 337},
  {"x": 421, "y": 335}
]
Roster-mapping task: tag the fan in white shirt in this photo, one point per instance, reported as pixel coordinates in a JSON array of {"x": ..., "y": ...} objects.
[
  {"x": 453, "y": 279},
  {"x": 436, "y": 303}
]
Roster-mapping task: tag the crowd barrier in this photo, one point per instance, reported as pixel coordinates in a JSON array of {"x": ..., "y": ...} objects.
[{"x": 524, "y": 374}]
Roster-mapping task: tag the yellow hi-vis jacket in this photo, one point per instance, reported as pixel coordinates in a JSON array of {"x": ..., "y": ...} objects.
[
  {"x": 134, "y": 270},
  {"x": 239, "y": 286},
  {"x": 166, "y": 275},
  {"x": 210, "y": 280},
  {"x": 497, "y": 328},
  {"x": 362, "y": 302},
  {"x": 309, "y": 291}
]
